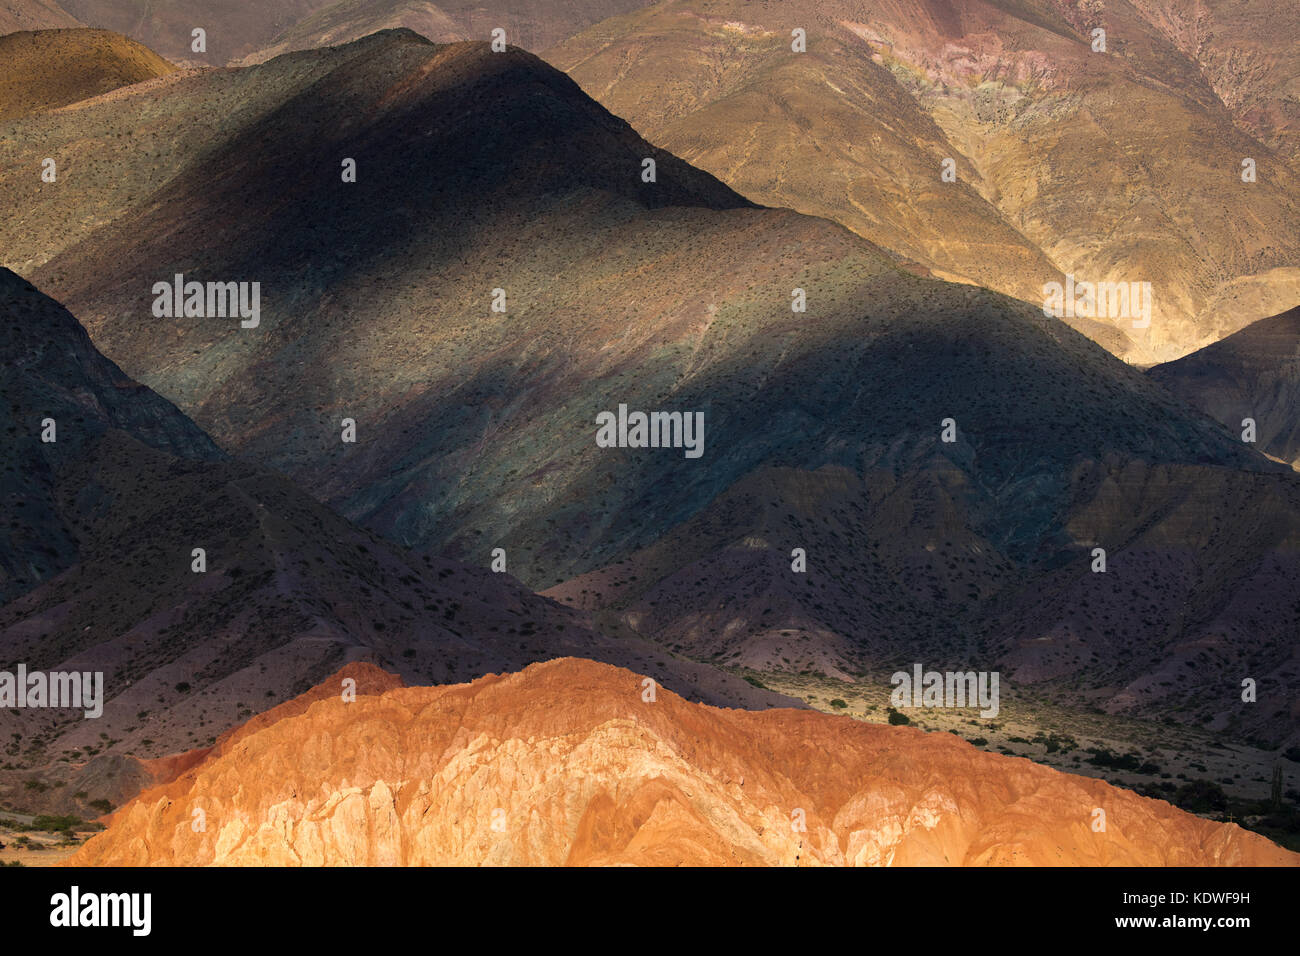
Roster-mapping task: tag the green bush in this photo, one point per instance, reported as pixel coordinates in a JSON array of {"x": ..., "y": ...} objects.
[{"x": 55, "y": 824}]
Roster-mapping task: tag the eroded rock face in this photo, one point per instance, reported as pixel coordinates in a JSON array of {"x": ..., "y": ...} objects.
[{"x": 567, "y": 763}]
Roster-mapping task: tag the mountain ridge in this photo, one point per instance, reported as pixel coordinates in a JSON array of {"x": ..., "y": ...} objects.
[{"x": 574, "y": 765}]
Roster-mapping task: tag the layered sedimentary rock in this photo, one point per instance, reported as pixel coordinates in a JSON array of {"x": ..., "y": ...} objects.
[{"x": 572, "y": 762}]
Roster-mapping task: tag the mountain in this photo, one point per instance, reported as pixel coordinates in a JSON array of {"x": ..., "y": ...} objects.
[
  {"x": 53, "y": 374},
  {"x": 232, "y": 28},
  {"x": 52, "y": 68},
  {"x": 100, "y": 528},
  {"x": 530, "y": 24},
  {"x": 824, "y": 429},
  {"x": 1115, "y": 166},
  {"x": 572, "y": 766},
  {"x": 1254, "y": 373},
  {"x": 17, "y": 15},
  {"x": 254, "y": 32},
  {"x": 1249, "y": 53},
  {"x": 1121, "y": 165}
]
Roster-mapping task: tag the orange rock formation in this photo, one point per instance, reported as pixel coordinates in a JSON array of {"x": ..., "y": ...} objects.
[{"x": 566, "y": 762}]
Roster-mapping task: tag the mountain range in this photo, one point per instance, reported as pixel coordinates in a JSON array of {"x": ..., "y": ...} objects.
[
  {"x": 1116, "y": 165},
  {"x": 1007, "y": 145},
  {"x": 463, "y": 261},
  {"x": 98, "y": 553},
  {"x": 476, "y": 427}
]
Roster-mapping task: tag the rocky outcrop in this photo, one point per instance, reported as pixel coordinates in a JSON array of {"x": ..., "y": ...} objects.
[{"x": 569, "y": 762}]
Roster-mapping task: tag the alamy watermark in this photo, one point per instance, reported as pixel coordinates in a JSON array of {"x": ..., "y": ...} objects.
[
  {"x": 208, "y": 300},
  {"x": 652, "y": 430},
  {"x": 923, "y": 688},
  {"x": 83, "y": 690},
  {"x": 1098, "y": 300}
]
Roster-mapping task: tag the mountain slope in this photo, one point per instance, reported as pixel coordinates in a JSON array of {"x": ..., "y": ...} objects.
[
  {"x": 52, "y": 68},
  {"x": 53, "y": 372},
  {"x": 16, "y": 15},
  {"x": 476, "y": 429},
  {"x": 1119, "y": 166},
  {"x": 34, "y": 14},
  {"x": 254, "y": 32},
  {"x": 571, "y": 766},
  {"x": 1250, "y": 54},
  {"x": 1254, "y": 373},
  {"x": 101, "y": 528},
  {"x": 233, "y": 27},
  {"x": 532, "y": 25}
]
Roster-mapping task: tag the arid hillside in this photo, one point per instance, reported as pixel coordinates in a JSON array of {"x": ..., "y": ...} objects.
[
  {"x": 1114, "y": 165},
  {"x": 530, "y": 24},
  {"x": 1255, "y": 374},
  {"x": 231, "y": 28},
  {"x": 60, "y": 399},
  {"x": 1250, "y": 54},
  {"x": 489, "y": 179},
  {"x": 570, "y": 763},
  {"x": 1006, "y": 145},
  {"x": 16, "y": 15},
  {"x": 255, "y": 31},
  {"x": 51, "y": 68},
  {"x": 100, "y": 531}
]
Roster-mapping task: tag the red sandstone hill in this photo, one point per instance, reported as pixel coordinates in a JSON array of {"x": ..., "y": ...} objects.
[{"x": 567, "y": 763}]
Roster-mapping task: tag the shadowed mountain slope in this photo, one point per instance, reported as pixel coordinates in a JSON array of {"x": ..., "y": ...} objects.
[
  {"x": 100, "y": 529},
  {"x": 566, "y": 763},
  {"x": 479, "y": 172},
  {"x": 1254, "y": 373},
  {"x": 1121, "y": 165},
  {"x": 56, "y": 386}
]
